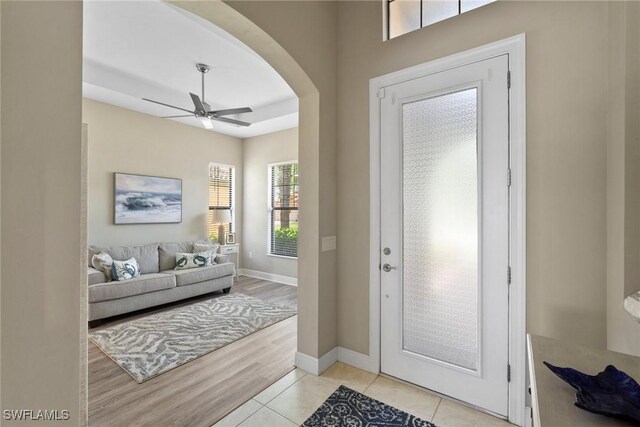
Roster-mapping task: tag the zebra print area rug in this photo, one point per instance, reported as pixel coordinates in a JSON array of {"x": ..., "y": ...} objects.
[
  {"x": 152, "y": 345},
  {"x": 348, "y": 408}
]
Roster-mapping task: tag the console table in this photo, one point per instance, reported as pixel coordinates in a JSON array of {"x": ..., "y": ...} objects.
[
  {"x": 232, "y": 251},
  {"x": 552, "y": 398}
]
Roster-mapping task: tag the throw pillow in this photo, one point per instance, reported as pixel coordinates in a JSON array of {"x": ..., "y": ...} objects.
[
  {"x": 103, "y": 262},
  {"x": 123, "y": 270},
  {"x": 205, "y": 247},
  {"x": 200, "y": 259}
]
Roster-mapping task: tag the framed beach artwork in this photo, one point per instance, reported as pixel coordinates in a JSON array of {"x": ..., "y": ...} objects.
[{"x": 142, "y": 199}]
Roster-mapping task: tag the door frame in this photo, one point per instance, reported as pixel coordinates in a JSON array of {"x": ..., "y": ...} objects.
[{"x": 514, "y": 47}]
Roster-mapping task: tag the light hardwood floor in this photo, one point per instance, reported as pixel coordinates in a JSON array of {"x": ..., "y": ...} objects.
[{"x": 203, "y": 391}]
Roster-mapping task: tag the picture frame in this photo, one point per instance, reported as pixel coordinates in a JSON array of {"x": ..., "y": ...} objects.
[
  {"x": 231, "y": 238},
  {"x": 146, "y": 199}
]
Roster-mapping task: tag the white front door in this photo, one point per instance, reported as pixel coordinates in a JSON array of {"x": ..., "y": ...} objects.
[{"x": 445, "y": 232}]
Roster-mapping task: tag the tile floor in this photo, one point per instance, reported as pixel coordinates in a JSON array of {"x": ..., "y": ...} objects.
[{"x": 293, "y": 398}]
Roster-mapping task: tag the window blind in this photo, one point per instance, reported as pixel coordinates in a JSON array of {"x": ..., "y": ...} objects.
[
  {"x": 283, "y": 209},
  {"x": 221, "y": 183}
]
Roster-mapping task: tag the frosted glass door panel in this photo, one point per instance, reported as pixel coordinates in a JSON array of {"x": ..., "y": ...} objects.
[{"x": 440, "y": 228}]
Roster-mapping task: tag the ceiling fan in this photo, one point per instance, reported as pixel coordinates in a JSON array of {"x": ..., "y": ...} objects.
[{"x": 203, "y": 110}]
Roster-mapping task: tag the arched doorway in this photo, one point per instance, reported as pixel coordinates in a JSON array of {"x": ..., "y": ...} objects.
[{"x": 233, "y": 22}]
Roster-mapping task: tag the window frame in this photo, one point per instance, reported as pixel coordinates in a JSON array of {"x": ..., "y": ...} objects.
[
  {"x": 232, "y": 208},
  {"x": 270, "y": 208},
  {"x": 386, "y": 17}
]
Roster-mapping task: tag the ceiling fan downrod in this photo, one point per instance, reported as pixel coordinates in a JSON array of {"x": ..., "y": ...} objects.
[{"x": 204, "y": 69}]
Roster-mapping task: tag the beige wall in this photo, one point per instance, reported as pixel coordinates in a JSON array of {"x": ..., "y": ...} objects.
[
  {"x": 566, "y": 151},
  {"x": 41, "y": 212},
  {"x": 258, "y": 153},
  {"x": 308, "y": 31},
  {"x": 632, "y": 148},
  {"x": 623, "y": 175},
  {"x": 122, "y": 140}
]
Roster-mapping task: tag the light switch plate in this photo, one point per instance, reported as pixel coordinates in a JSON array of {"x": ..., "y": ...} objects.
[{"x": 328, "y": 243}]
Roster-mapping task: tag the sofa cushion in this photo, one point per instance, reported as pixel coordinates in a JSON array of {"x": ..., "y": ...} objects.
[
  {"x": 202, "y": 274},
  {"x": 138, "y": 285},
  {"x": 205, "y": 247},
  {"x": 146, "y": 255},
  {"x": 167, "y": 252},
  {"x": 221, "y": 259},
  {"x": 95, "y": 276}
]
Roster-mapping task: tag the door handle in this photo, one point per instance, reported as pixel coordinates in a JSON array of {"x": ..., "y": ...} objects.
[{"x": 388, "y": 268}]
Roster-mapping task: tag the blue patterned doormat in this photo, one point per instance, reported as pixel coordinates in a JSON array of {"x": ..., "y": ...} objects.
[{"x": 346, "y": 407}]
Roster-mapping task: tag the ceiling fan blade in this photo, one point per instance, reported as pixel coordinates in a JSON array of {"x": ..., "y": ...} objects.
[
  {"x": 206, "y": 122},
  {"x": 232, "y": 111},
  {"x": 167, "y": 105},
  {"x": 198, "y": 104},
  {"x": 232, "y": 121}
]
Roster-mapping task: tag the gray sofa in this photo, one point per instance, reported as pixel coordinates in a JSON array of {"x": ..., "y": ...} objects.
[{"x": 158, "y": 282}]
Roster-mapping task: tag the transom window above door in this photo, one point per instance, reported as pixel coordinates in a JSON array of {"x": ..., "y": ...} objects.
[
  {"x": 404, "y": 16},
  {"x": 283, "y": 209}
]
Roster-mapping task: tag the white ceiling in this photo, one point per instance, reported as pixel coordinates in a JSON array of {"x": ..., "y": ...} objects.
[{"x": 148, "y": 49}]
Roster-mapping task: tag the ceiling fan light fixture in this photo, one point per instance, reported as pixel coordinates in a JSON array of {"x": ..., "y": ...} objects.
[{"x": 206, "y": 122}]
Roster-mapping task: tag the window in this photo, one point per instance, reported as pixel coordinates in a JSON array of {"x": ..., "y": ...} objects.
[
  {"x": 283, "y": 209},
  {"x": 404, "y": 16},
  {"x": 221, "y": 204}
]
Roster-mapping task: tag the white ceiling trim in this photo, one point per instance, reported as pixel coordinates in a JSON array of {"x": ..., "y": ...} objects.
[
  {"x": 276, "y": 123},
  {"x": 101, "y": 75}
]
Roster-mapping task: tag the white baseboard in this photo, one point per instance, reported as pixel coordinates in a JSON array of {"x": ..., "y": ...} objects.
[
  {"x": 344, "y": 355},
  {"x": 306, "y": 363},
  {"x": 316, "y": 366},
  {"x": 355, "y": 359},
  {"x": 268, "y": 276}
]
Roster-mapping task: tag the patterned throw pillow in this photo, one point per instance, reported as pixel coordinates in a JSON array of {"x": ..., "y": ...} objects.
[
  {"x": 103, "y": 262},
  {"x": 123, "y": 270},
  {"x": 200, "y": 259}
]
